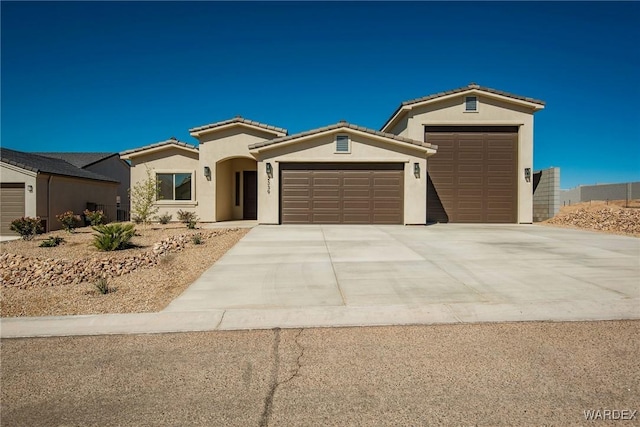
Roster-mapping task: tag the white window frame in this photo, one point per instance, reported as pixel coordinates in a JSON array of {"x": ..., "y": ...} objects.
[
  {"x": 348, "y": 151},
  {"x": 477, "y": 104},
  {"x": 174, "y": 172}
]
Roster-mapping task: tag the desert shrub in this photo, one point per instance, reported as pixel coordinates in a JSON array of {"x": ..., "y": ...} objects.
[
  {"x": 95, "y": 217},
  {"x": 27, "y": 227},
  {"x": 165, "y": 218},
  {"x": 102, "y": 285},
  {"x": 113, "y": 237},
  {"x": 136, "y": 220},
  {"x": 143, "y": 198},
  {"x": 68, "y": 220},
  {"x": 189, "y": 218},
  {"x": 51, "y": 241},
  {"x": 197, "y": 239}
]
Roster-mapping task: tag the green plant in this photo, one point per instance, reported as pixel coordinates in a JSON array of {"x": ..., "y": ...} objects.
[
  {"x": 27, "y": 227},
  {"x": 189, "y": 218},
  {"x": 51, "y": 241},
  {"x": 68, "y": 220},
  {"x": 113, "y": 237},
  {"x": 165, "y": 218},
  {"x": 102, "y": 285},
  {"x": 95, "y": 217},
  {"x": 197, "y": 239},
  {"x": 143, "y": 198}
]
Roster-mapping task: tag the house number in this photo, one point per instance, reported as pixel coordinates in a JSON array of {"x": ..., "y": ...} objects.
[{"x": 268, "y": 185}]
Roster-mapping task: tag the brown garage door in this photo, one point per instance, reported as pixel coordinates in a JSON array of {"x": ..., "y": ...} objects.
[
  {"x": 341, "y": 193},
  {"x": 473, "y": 176},
  {"x": 12, "y": 205}
]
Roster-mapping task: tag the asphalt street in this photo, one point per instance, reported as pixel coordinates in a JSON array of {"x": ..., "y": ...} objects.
[{"x": 525, "y": 373}]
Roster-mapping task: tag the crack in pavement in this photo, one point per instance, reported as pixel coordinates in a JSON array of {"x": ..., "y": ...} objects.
[{"x": 268, "y": 401}]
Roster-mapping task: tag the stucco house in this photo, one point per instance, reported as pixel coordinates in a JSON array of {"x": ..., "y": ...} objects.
[
  {"x": 464, "y": 155},
  {"x": 46, "y": 186}
]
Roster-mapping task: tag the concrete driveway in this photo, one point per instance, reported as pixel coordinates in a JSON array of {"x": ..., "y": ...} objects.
[
  {"x": 315, "y": 276},
  {"x": 463, "y": 270}
]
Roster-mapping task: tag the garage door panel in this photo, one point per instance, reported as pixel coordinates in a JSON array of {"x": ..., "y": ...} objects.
[
  {"x": 360, "y": 195},
  {"x": 475, "y": 180},
  {"x": 12, "y": 202}
]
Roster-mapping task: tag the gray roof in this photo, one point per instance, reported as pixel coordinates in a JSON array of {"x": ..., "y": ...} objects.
[
  {"x": 459, "y": 90},
  {"x": 342, "y": 125},
  {"x": 170, "y": 141},
  {"x": 238, "y": 119},
  {"x": 81, "y": 160},
  {"x": 36, "y": 163}
]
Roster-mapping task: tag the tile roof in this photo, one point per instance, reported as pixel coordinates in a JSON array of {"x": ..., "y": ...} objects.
[
  {"x": 37, "y": 163},
  {"x": 470, "y": 86},
  {"x": 342, "y": 125},
  {"x": 238, "y": 119},
  {"x": 170, "y": 141},
  {"x": 80, "y": 160}
]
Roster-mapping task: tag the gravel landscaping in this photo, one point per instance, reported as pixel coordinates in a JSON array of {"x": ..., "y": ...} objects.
[
  {"x": 61, "y": 280},
  {"x": 616, "y": 217}
]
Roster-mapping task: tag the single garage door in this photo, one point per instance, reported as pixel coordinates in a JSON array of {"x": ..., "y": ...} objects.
[
  {"x": 473, "y": 176},
  {"x": 12, "y": 203},
  {"x": 359, "y": 193}
]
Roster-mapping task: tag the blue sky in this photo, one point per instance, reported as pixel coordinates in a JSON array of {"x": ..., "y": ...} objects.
[{"x": 107, "y": 76}]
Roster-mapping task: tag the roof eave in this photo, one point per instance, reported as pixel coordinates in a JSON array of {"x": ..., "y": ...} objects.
[
  {"x": 203, "y": 130},
  {"x": 424, "y": 147},
  {"x": 129, "y": 154}
]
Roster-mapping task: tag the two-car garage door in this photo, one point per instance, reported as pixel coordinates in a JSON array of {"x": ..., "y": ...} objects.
[{"x": 355, "y": 193}]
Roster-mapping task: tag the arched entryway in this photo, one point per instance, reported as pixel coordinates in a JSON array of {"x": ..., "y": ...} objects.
[{"x": 236, "y": 189}]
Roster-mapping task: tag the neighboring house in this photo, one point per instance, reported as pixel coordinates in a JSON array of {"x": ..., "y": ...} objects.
[
  {"x": 107, "y": 164},
  {"x": 34, "y": 185},
  {"x": 465, "y": 155}
]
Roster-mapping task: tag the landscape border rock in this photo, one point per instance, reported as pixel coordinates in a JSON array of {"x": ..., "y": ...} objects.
[{"x": 29, "y": 272}]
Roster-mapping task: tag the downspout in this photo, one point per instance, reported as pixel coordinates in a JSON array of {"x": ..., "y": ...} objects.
[{"x": 49, "y": 203}]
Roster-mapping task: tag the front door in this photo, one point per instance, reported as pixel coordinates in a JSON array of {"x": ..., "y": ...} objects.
[{"x": 250, "y": 195}]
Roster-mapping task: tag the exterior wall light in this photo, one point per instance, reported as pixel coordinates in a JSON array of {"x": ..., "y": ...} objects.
[
  {"x": 416, "y": 170},
  {"x": 527, "y": 174},
  {"x": 30, "y": 188},
  {"x": 269, "y": 170},
  {"x": 207, "y": 172}
]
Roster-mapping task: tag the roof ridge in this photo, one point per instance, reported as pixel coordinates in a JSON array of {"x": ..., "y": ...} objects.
[{"x": 238, "y": 119}]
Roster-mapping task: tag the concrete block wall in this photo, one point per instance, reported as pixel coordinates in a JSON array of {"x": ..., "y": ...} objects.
[
  {"x": 546, "y": 194},
  {"x": 585, "y": 193}
]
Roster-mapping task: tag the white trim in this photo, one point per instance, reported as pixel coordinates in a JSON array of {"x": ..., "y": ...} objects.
[{"x": 20, "y": 170}]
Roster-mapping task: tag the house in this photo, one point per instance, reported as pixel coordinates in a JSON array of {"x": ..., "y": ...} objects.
[
  {"x": 464, "y": 155},
  {"x": 107, "y": 164},
  {"x": 35, "y": 185}
]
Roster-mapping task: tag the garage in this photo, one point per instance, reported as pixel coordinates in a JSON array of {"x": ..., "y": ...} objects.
[
  {"x": 473, "y": 177},
  {"x": 342, "y": 193},
  {"x": 12, "y": 202}
]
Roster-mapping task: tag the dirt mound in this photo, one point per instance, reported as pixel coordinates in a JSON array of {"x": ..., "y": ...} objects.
[{"x": 610, "y": 217}]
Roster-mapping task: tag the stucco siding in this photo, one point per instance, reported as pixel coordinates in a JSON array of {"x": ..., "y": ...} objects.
[
  {"x": 171, "y": 160},
  {"x": 71, "y": 194},
  {"x": 322, "y": 149},
  {"x": 490, "y": 112},
  {"x": 118, "y": 169}
]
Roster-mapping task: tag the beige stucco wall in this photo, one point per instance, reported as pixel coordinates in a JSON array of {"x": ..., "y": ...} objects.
[
  {"x": 215, "y": 149},
  {"x": 170, "y": 160},
  {"x": 73, "y": 194},
  {"x": 14, "y": 174},
  {"x": 321, "y": 148},
  {"x": 490, "y": 112},
  {"x": 118, "y": 169}
]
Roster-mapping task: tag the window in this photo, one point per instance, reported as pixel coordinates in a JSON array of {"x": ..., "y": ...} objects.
[
  {"x": 342, "y": 144},
  {"x": 471, "y": 103},
  {"x": 174, "y": 186}
]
